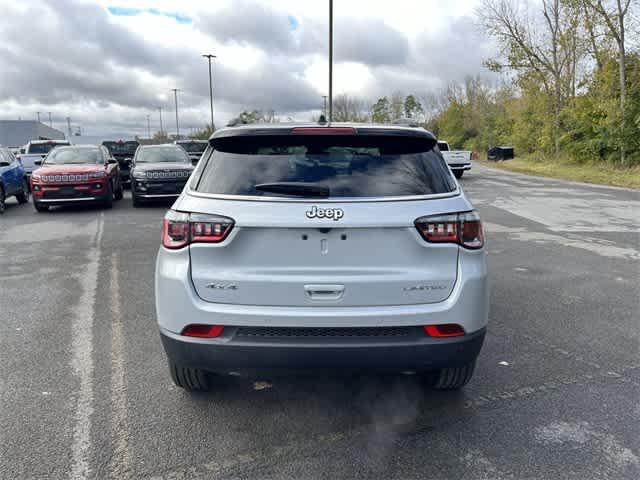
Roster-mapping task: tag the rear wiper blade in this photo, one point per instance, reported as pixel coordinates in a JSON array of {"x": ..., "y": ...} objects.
[{"x": 297, "y": 189}]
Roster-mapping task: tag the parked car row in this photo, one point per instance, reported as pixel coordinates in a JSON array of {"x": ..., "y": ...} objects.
[{"x": 91, "y": 174}]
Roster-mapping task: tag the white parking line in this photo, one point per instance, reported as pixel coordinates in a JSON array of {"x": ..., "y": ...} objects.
[
  {"x": 82, "y": 357},
  {"x": 120, "y": 464}
]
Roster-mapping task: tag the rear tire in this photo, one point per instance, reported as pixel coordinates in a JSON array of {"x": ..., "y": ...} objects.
[
  {"x": 454, "y": 378},
  {"x": 23, "y": 196},
  {"x": 40, "y": 208},
  {"x": 458, "y": 173},
  {"x": 190, "y": 379}
]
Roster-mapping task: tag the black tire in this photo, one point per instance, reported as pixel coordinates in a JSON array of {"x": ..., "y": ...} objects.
[
  {"x": 191, "y": 379},
  {"x": 120, "y": 191},
  {"x": 458, "y": 173},
  {"x": 3, "y": 205},
  {"x": 454, "y": 378},
  {"x": 40, "y": 208},
  {"x": 23, "y": 196},
  {"x": 108, "y": 202},
  {"x": 136, "y": 201}
]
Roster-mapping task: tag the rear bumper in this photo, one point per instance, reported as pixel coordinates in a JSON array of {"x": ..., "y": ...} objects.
[
  {"x": 233, "y": 353},
  {"x": 460, "y": 166}
]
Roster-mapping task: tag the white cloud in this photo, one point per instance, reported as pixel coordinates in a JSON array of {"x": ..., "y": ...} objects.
[{"x": 108, "y": 71}]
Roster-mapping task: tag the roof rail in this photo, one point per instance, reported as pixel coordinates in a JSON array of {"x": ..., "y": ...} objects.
[
  {"x": 407, "y": 122},
  {"x": 234, "y": 122}
]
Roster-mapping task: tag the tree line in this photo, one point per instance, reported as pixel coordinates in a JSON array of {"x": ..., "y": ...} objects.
[{"x": 569, "y": 85}]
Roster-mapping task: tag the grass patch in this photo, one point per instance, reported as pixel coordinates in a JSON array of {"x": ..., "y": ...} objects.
[{"x": 598, "y": 173}]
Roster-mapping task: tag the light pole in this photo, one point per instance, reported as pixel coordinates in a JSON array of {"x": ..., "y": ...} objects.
[
  {"x": 175, "y": 96},
  {"x": 330, "y": 60},
  {"x": 324, "y": 108},
  {"x": 38, "y": 115},
  {"x": 161, "y": 130},
  {"x": 148, "y": 126},
  {"x": 209, "y": 57}
]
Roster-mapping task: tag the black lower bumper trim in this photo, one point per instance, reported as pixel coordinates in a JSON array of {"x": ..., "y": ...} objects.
[{"x": 377, "y": 354}]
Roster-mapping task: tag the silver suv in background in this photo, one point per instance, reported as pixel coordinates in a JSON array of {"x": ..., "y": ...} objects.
[{"x": 321, "y": 246}]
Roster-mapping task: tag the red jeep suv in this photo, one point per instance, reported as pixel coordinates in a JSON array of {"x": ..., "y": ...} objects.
[{"x": 76, "y": 174}]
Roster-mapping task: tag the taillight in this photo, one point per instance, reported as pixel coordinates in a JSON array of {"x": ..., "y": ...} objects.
[
  {"x": 444, "y": 330},
  {"x": 465, "y": 229},
  {"x": 202, "y": 331},
  {"x": 181, "y": 229}
]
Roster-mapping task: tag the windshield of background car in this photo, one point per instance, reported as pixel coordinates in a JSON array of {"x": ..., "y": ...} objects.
[
  {"x": 121, "y": 148},
  {"x": 72, "y": 156},
  {"x": 41, "y": 148},
  {"x": 443, "y": 146},
  {"x": 194, "y": 147},
  {"x": 162, "y": 154},
  {"x": 349, "y": 165}
]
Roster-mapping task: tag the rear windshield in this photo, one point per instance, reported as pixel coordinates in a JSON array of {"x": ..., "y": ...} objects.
[
  {"x": 121, "y": 148},
  {"x": 348, "y": 166},
  {"x": 193, "y": 147},
  {"x": 42, "y": 147}
]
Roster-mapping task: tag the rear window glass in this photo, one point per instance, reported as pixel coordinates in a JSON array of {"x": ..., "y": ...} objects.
[
  {"x": 121, "y": 148},
  {"x": 193, "y": 147},
  {"x": 348, "y": 166},
  {"x": 42, "y": 147}
]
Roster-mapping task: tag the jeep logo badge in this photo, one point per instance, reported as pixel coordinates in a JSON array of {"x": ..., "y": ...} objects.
[{"x": 333, "y": 213}]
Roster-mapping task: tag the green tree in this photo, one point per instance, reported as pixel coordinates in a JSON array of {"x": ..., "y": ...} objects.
[
  {"x": 381, "y": 111},
  {"x": 412, "y": 107}
]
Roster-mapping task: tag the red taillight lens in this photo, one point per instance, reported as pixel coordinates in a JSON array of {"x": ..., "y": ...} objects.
[
  {"x": 436, "y": 229},
  {"x": 203, "y": 331},
  {"x": 181, "y": 229},
  {"x": 471, "y": 234},
  {"x": 464, "y": 229},
  {"x": 209, "y": 228},
  {"x": 444, "y": 330}
]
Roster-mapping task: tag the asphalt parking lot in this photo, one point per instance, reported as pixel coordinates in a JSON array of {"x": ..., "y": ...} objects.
[{"x": 85, "y": 392}]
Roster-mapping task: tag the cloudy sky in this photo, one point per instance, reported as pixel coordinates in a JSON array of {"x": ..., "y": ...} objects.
[{"x": 109, "y": 63}]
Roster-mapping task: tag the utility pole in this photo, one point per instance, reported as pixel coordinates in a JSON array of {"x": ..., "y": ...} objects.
[
  {"x": 38, "y": 114},
  {"x": 148, "y": 126},
  {"x": 209, "y": 57},
  {"x": 175, "y": 96},
  {"x": 330, "y": 60},
  {"x": 161, "y": 130},
  {"x": 69, "y": 127},
  {"x": 324, "y": 108},
  {"x": 50, "y": 122}
]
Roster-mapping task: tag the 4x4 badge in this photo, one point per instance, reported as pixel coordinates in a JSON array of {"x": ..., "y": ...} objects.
[{"x": 333, "y": 213}]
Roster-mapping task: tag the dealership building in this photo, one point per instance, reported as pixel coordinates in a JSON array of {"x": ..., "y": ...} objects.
[{"x": 16, "y": 133}]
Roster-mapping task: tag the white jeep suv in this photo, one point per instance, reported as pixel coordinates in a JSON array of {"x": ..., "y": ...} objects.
[{"x": 321, "y": 246}]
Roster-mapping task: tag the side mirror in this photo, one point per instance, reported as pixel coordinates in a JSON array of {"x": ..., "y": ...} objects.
[{"x": 38, "y": 163}]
